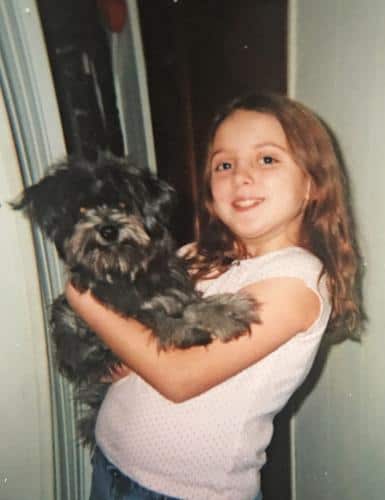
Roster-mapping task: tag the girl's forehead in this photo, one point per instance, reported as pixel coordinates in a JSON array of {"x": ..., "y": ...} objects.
[{"x": 249, "y": 128}]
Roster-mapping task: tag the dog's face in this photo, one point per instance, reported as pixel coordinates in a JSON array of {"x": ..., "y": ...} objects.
[
  {"x": 107, "y": 241},
  {"x": 103, "y": 218}
]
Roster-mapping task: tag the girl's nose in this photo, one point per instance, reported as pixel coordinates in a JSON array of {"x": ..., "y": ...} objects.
[{"x": 243, "y": 174}]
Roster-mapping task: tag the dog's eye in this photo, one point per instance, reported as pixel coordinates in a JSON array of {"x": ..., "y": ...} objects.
[{"x": 82, "y": 210}]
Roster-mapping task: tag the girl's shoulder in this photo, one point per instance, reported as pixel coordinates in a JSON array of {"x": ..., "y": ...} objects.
[
  {"x": 287, "y": 260},
  {"x": 290, "y": 262}
]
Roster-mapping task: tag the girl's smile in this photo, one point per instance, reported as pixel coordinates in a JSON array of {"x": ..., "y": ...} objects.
[
  {"x": 258, "y": 190},
  {"x": 243, "y": 204}
]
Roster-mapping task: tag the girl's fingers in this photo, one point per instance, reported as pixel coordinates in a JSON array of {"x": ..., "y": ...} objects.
[{"x": 117, "y": 372}]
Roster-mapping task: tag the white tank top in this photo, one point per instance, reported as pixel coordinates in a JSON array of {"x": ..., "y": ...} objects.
[{"x": 213, "y": 446}]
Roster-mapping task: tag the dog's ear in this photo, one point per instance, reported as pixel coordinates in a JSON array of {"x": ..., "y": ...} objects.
[
  {"x": 161, "y": 200},
  {"x": 157, "y": 209},
  {"x": 37, "y": 202},
  {"x": 48, "y": 204}
]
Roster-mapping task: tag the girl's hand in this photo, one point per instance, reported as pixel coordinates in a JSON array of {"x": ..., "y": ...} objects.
[
  {"x": 118, "y": 372},
  {"x": 73, "y": 295}
]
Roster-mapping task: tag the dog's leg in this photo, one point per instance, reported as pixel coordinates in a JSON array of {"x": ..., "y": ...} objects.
[
  {"x": 80, "y": 355},
  {"x": 90, "y": 397},
  {"x": 222, "y": 316},
  {"x": 83, "y": 360}
]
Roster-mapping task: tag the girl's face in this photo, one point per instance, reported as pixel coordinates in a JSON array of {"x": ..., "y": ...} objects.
[{"x": 258, "y": 190}]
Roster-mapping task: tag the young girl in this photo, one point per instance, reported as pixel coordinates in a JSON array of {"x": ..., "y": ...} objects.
[{"x": 274, "y": 223}]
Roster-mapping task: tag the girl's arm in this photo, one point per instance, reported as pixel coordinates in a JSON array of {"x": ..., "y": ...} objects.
[{"x": 288, "y": 307}]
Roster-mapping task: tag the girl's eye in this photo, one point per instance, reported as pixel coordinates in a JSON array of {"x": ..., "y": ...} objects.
[
  {"x": 221, "y": 167},
  {"x": 266, "y": 160}
]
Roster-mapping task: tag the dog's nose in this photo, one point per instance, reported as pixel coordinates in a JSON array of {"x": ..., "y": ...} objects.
[{"x": 109, "y": 232}]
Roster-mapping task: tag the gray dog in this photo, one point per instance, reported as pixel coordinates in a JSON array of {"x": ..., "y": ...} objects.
[{"x": 109, "y": 224}]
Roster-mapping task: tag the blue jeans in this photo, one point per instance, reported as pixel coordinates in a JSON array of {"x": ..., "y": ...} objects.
[{"x": 108, "y": 483}]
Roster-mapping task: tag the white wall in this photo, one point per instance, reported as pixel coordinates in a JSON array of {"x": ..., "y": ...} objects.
[
  {"x": 26, "y": 457},
  {"x": 337, "y": 67}
]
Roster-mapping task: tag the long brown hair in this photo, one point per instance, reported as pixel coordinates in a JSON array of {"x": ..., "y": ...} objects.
[{"x": 327, "y": 228}]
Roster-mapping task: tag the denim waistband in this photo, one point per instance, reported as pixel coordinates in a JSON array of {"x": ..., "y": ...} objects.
[{"x": 123, "y": 486}]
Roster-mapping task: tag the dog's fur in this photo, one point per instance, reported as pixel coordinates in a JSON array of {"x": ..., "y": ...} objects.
[{"x": 109, "y": 224}]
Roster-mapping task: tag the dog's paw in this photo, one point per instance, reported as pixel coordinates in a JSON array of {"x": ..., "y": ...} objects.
[
  {"x": 179, "y": 332},
  {"x": 223, "y": 316}
]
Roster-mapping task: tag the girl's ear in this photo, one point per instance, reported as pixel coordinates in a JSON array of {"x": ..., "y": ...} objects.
[{"x": 310, "y": 191}]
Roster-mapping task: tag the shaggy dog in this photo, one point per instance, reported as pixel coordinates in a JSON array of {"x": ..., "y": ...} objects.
[{"x": 108, "y": 222}]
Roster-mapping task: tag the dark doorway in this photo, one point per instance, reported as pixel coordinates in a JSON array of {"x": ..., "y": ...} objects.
[
  {"x": 199, "y": 54},
  {"x": 80, "y": 58}
]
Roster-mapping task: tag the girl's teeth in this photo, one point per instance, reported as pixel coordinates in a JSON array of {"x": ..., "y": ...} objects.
[{"x": 245, "y": 203}]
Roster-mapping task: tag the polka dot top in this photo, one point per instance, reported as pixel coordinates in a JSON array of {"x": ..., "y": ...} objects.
[{"x": 213, "y": 446}]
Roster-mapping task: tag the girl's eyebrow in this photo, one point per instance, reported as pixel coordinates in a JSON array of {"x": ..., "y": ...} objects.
[
  {"x": 217, "y": 151},
  {"x": 258, "y": 145}
]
